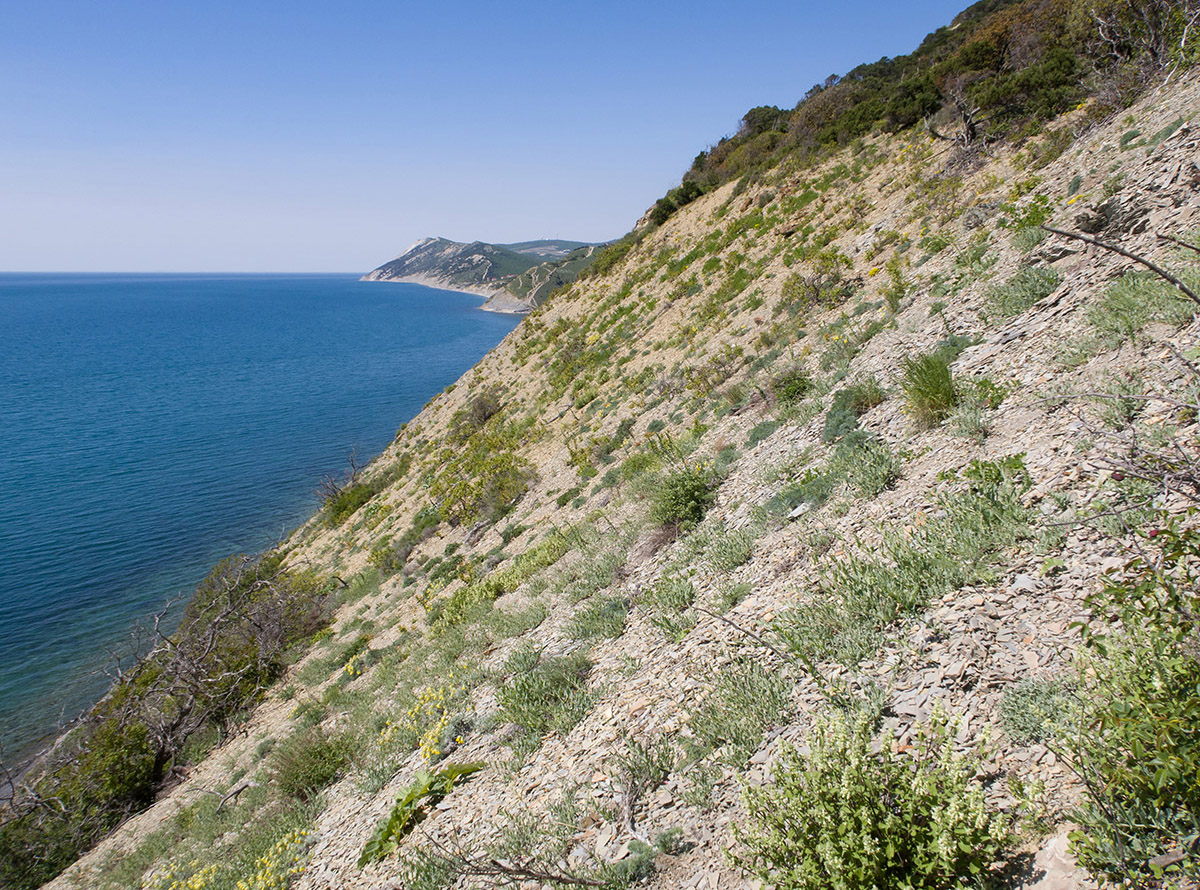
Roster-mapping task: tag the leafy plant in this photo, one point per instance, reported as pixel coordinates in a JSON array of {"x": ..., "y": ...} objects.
[
  {"x": 745, "y": 703},
  {"x": 862, "y": 594},
  {"x": 1035, "y": 710},
  {"x": 1138, "y": 745},
  {"x": 605, "y": 617},
  {"x": 851, "y": 816},
  {"x": 791, "y": 386},
  {"x": 545, "y": 693},
  {"x": 1137, "y": 299},
  {"x": 761, "y": 432},
  {"x": 427, "y": 790},
  {"x": 848, "y": 405},
  {"x": 1029, "y": 285},
  {"x": 669, "y": 603},
  {"x": 340, "y": 505},
  {"x": 684, "y": 496}
]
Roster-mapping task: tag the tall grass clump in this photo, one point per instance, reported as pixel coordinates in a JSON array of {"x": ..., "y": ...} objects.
[{"x": 929, "y": 387}]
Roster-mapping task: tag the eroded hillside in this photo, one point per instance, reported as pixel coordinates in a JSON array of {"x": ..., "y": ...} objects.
[{"x": 714, "y": 493}]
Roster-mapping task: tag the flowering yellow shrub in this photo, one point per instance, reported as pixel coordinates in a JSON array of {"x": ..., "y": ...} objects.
[
  {"x": 429, "y": 716},
  {"x": 169, "y": 878},
  {"x": 280, "y": 864}
]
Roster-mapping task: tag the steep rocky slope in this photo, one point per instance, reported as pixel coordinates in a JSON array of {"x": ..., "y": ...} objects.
[{"x": 668, "y": 664}]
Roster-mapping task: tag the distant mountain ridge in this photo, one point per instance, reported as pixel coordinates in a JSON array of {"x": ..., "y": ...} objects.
[{"x": 514, "y": 277}]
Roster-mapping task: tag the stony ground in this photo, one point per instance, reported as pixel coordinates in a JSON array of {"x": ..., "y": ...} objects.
[{"x": 675, "y": 356}]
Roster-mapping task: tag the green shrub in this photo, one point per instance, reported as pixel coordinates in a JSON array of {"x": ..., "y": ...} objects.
[
  {"x": 603, "y": 618},
  {"x": 848, "y": 816},
  {"x": 545, "y": 693},
  {"x": 342, "y": 505},
  {"x": 684, "y": 496},
  {"x": 720, "y": 548},
  {"x": 483, "y": 478},
  {"x": 637, "y": 464},
  {"x": 848, "y": 405},
  {"x": 747, "y": 701},
  {"x": 303, "y": 764},
  {"x": 1138, "y": 745},
  {"x": 791, "y": 386},
  {"x": 644, "y": 765},
  {"x": 929, "y": 387},
  {"x": 1030, "y": 284},
  {"x": 761, "y": 432}
]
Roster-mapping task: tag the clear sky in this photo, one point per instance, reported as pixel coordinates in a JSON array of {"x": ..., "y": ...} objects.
[{"x": 301, "y": 136}]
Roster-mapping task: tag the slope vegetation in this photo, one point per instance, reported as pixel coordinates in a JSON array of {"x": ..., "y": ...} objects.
[{"x": 833, "y": 531}]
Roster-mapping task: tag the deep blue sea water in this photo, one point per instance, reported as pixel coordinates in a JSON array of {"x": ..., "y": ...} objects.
[{"x": 152, "y": 424}]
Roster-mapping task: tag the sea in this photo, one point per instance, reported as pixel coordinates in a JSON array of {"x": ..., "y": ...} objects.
[{"x": 151, "y": 425}]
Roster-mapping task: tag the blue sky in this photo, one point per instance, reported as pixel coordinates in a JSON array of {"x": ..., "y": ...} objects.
[{"x": 271, "y": 136}]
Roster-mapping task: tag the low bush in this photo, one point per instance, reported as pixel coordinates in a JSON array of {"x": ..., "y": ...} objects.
[
  {"x": 853, "y": 814},
  {"x": 867, "y": 463},
  {"x": 761, "y": 432},
  {"x": 340, "y": 506},
  {"x": 929, "y": 388},
  {"x": 860, "y": 595},
  {"x": 791, "y": 386},
  {"x": 1137, "y": 749},
  {"x": 545, "y": 693},
  {"x": 1035, "y": 710},
  {"x": 1135, "y": 300},
  {"x": 684, "y": 496},
  {"x": 472, "y": 417},
  {"x": 1030, "y": 284},
  {"x": 669, "y": 605},
  {"x": 604, "y": 617},
  {"x": 746, "y": 702},
  {"x": 848, "y": 405},
  {"x": 390, "y": 556}
]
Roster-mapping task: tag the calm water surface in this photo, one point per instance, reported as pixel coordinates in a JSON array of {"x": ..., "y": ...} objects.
[{"x": 150, "y": 425}]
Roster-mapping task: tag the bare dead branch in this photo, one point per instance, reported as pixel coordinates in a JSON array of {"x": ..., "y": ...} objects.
[
  {"x": 482, "y": 865},
  {"x": 1176, "y": 241},
  {"x": 1157, "y": 270}
]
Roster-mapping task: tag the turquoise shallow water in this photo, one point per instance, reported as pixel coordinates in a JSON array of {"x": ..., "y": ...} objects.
[{"x": 150, "y": 425}]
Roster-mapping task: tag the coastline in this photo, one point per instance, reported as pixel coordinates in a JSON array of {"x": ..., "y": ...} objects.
[{"x": 489, "y": 294}]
